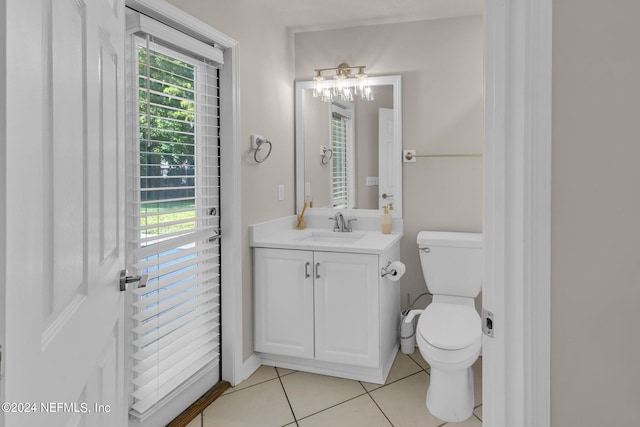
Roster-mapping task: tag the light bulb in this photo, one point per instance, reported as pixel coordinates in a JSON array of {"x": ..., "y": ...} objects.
[
  {"x": 362, "y": 82},
  {"x": 327, "y": 95},
  {"x": 346, "y": 94},
  {"x": 338, "y": 84},
  {"x": 318, "y": 85},
  {"x": 367, "y": 94}
]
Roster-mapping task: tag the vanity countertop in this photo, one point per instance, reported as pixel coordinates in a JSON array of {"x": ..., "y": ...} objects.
[{"x": 272, "y": 235}]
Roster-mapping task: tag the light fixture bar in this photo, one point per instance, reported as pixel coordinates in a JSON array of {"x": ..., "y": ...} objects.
[
  {"x": 344, "y": 83},
  {"x": 342, "y": 66}
]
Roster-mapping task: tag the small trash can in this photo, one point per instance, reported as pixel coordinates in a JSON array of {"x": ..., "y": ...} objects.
[{"x": 407, "y": 334}]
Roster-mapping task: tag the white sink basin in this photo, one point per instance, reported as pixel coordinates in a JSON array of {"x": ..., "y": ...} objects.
[{"x": 332, "y": 237}]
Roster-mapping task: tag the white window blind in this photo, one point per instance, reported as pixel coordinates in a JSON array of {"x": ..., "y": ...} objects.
[
  {"x": 342, "y": 160},
  {"x": 174, "y": 213}
]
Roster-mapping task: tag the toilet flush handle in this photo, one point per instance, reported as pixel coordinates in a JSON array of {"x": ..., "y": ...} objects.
[{"x": 426, "y": 250}]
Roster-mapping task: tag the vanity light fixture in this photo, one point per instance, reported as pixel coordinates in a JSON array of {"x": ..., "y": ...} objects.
[{"x": 344, "y": 84}]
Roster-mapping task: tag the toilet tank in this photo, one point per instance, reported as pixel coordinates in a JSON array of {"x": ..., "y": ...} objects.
[{"x": 452, "y": 263}]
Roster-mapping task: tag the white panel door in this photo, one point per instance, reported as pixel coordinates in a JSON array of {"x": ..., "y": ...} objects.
[
  {"x": 346, "y": 305},
  {"x": 284, "y": 302},
  {"x": 386, "y": 146},
  {"x": 63, "y": 336}
]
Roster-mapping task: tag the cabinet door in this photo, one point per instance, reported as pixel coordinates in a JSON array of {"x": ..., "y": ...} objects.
[
  {"x": 284, "y": 302},
  {"x": 346, "y": 302}
]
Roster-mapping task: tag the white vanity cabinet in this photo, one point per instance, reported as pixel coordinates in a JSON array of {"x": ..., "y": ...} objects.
[
  {"x": 284, "y": 302},
  {"x": 317, "y": 305},
  {"x": 326, "y": 312},
  {"x": 346, "y": 308}
]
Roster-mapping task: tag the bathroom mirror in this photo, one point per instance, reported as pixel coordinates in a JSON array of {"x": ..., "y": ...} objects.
[{"x": 349, "y": 153}]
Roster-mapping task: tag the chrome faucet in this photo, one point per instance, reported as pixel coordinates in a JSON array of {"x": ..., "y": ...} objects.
[{"x": 340, "y": 225}]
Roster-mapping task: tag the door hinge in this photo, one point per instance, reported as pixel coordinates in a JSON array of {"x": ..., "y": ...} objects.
[{"x": 487, "y": 322}]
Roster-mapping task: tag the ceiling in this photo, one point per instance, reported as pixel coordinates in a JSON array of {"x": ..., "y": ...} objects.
[{"x": 312, "y": 15}]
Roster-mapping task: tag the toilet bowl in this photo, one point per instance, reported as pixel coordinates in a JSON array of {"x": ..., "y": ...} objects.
[
  {"x": 449, "y": 332},
  {"x": 449, "y": 338}
]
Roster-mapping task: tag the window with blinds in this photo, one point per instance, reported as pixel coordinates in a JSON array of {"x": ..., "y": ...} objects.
[
  {"x": 342, "y": 160},
  {"x": 174, "y": 217}
]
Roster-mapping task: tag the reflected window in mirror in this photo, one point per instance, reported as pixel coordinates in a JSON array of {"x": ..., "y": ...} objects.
[{"x": 342, "y": 167}]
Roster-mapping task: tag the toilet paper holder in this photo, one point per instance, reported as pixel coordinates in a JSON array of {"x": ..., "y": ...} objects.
[{"x": 386, "y": 270}]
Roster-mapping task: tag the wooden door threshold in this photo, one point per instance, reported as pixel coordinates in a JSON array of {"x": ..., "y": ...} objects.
[{"x": 199, "y": 405}]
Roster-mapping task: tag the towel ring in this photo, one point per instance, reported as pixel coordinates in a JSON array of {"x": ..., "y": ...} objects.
[
  {"x": 324, "y": 158},
  {"x": 259, "y": 143}
]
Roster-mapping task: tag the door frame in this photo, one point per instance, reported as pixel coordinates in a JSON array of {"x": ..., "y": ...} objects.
[
  {"x": 230, "y": 224},
  {"x": 517, "y": 211}
]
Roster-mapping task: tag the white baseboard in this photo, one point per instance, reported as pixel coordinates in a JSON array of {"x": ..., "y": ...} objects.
[
  {"x": 249, "y": 366},
  {"x": 376, "y": 375}
]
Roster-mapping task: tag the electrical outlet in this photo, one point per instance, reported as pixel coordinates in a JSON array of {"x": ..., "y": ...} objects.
[{"x": 281, "y": 192}]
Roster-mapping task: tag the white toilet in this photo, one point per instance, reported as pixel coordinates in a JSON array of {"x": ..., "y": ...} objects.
[{"x": 449, "y": 333}]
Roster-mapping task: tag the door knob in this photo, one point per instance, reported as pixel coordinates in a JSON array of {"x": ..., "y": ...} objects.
[{"x": 125, "y": 279}]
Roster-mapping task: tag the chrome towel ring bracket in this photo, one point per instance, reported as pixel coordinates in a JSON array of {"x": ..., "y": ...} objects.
[
  {"x": 257, "y": 141},
  {"x": 325, "y": 154}
]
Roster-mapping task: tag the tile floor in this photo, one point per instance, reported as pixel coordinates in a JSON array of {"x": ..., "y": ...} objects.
[{"x": 277, "y": 397}]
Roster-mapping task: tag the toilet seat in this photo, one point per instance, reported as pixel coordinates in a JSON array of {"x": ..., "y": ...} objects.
[{"x": 450, "y": 326}]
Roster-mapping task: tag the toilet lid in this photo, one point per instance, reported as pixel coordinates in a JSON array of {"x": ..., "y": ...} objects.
[{"x": 449, "y": 326}]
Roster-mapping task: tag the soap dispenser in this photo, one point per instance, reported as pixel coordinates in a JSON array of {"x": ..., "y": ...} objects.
[{"x": 385, "y": 221}]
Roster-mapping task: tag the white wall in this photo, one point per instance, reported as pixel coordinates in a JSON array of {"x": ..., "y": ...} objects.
[
  {"x": 595, "y": 243},
  {"x": 441, "y": 66},
  {"x": 266, "y": 102}
]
